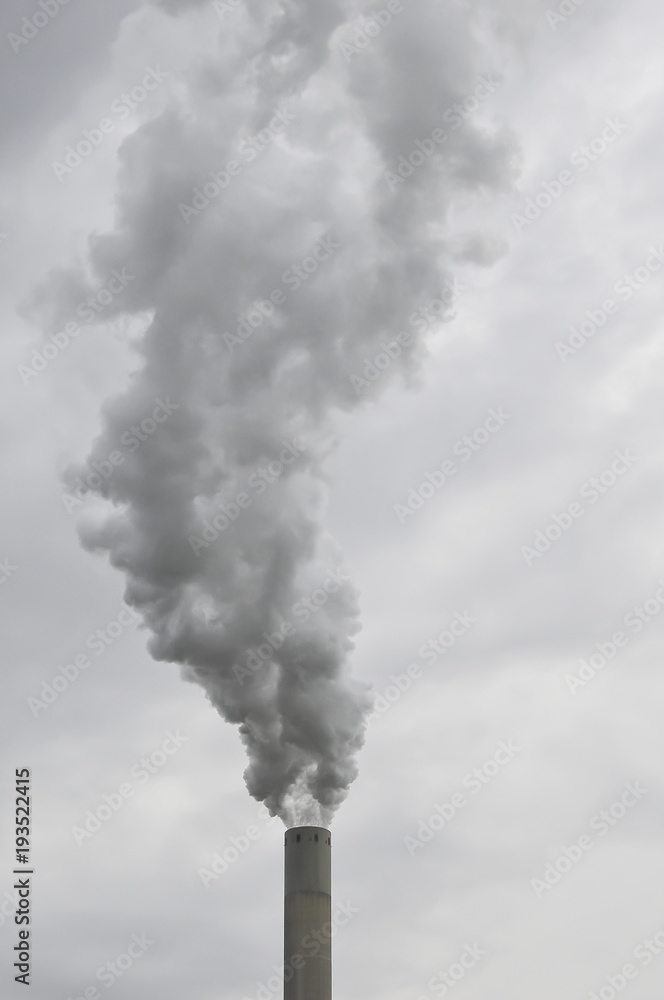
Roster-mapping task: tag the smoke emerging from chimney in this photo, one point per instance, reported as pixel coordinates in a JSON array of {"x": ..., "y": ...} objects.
[{"x": 280, "y": 220}]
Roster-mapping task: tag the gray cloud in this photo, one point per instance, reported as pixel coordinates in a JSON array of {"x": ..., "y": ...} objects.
[
  {"x": 505, "y": 679},
  {"x": 238, "y": 209}
]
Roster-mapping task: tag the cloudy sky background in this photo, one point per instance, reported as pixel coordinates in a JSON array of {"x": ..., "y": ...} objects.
[{"x": 505, "y": 680}]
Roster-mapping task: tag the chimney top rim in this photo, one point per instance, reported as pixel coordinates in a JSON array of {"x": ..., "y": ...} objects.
[{"x": 301, "y": 829}]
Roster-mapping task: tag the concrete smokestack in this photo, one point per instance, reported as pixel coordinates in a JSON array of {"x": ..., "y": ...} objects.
[{"x": 308, "y": 914}]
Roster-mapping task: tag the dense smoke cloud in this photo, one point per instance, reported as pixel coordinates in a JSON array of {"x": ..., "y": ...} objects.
[{"x": 279, "y": 223}]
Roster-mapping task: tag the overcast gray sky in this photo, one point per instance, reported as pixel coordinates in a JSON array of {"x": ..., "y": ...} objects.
[{"x": 445, "y": 220}]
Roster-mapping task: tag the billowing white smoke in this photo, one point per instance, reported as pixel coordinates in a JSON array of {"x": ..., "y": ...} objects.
[{"x": 268, "y": 288}]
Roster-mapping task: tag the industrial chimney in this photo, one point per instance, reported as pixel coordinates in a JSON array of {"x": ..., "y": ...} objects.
[{"x": 307, "y": 914}]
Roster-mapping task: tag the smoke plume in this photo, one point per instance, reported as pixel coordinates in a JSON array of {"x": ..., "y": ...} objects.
[{"x": 279, "y": 224}]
